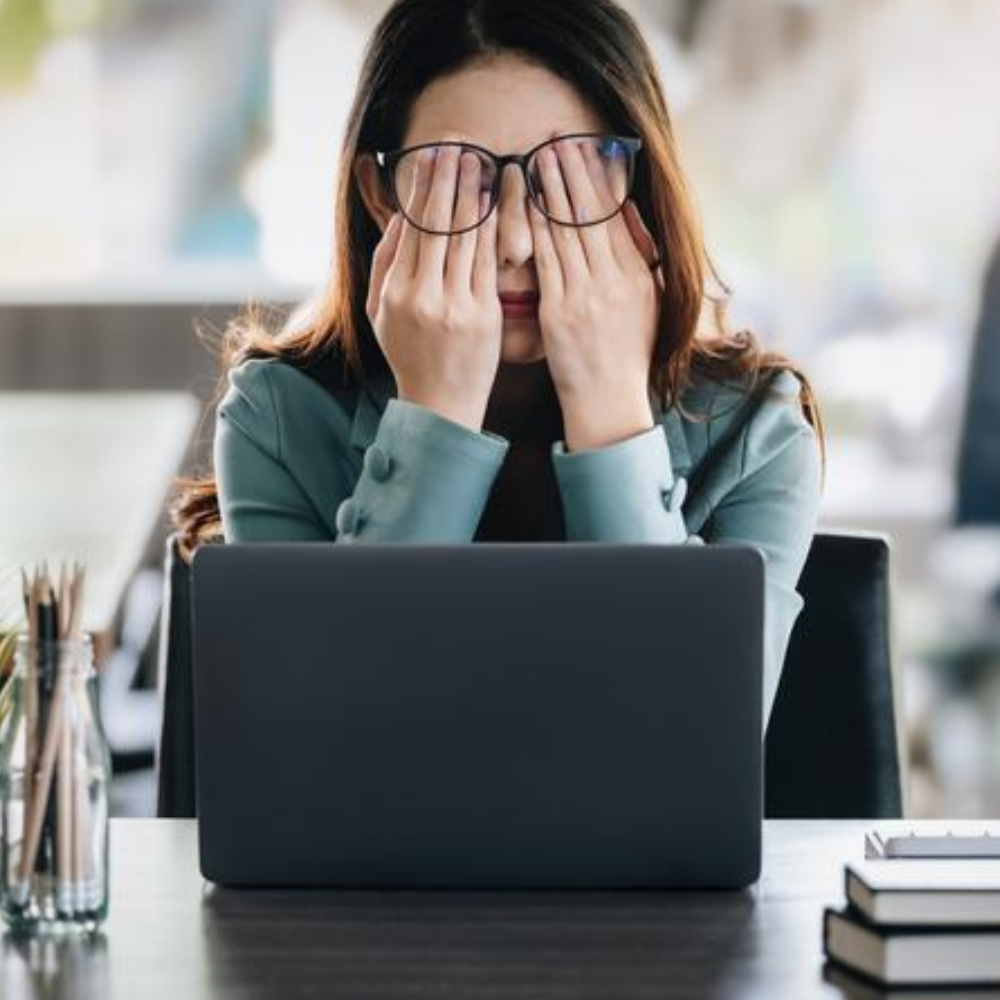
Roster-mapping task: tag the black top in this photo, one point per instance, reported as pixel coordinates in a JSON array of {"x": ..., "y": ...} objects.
[{"x": 525, "y": 504}]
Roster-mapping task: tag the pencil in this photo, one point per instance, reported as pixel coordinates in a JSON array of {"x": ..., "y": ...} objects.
[
  {"x": 64, "y": 816},
  {"x": 40, "y": 790},
  {"x": 63, "y": 602},
  {"x": 81, "y": 863},
  {"x": 30, "y": 699},
  {"x": 81, "y": 821},
  {"x": 34, "y": 719},
  {"x": 65, "y": 833},
  {"x": 86, "y": 868}
]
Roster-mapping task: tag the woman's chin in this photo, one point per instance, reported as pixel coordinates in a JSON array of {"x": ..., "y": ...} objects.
[{"x": 522, "y": 343}]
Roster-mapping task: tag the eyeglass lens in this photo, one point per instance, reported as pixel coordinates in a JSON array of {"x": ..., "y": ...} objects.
[{"x": 586, "y": 181}]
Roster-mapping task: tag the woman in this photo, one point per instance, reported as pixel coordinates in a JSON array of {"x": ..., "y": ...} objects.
[{"x": 519, "y": 353}]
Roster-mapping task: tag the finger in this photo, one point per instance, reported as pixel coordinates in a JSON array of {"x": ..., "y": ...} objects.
[
  {"x": 408, "y": 255},
  {"x": 438, "y": 214},
  {"x": 547, "y": 262},
  {"x": 644, "y": 244},
  {"x": 381, "y": 259},
  {"x": 585, "y": 205},
  {"x": 565, "y": 238},
  {"x": 484, "y": 267},
  {"x": 642, "y": 239},
  {"x": 462, "y": 248},
  {"x": 610, "y": 191}
]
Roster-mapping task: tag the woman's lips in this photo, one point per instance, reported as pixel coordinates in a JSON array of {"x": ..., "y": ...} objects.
[{"x": 519, "y": 304}]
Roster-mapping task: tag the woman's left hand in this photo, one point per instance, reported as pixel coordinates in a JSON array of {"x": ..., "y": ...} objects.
[{"x": 600, "y": 294}]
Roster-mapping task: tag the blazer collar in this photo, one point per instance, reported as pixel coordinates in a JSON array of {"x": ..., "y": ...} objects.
[{"x": 376, "y": 393}]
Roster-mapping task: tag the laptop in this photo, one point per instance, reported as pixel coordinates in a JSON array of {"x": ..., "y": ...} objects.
[{"x": 502, "y": 715}]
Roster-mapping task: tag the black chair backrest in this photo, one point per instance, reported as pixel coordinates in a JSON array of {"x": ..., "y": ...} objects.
[
  {"x": 832, "y": 746},
  {"x": 175, "y": 753},
  {"x": 977, "y": 494}
]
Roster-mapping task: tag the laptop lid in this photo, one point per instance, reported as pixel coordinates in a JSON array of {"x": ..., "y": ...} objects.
[{"x": 544, "y": 714}]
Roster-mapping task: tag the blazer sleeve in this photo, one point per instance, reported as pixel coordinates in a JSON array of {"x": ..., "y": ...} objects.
[
  {"x": 424, "y": 477},
  {"x": 627, "y": 492}
]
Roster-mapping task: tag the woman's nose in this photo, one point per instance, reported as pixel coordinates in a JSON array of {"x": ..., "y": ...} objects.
[{"x": 515, "y": 244}]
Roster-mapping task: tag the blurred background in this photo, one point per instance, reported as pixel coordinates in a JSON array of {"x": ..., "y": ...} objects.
[{"x": 164, "y": 162}]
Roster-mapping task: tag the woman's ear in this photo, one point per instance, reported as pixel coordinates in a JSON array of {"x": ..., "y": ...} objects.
[{"x": 373, "y": 193}]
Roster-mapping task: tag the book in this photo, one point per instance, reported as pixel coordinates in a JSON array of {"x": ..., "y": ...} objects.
[
  {"x": 926, "y": 892},
  {"x": 855, "y": 987},
  {"x": 906, "y": 955}
]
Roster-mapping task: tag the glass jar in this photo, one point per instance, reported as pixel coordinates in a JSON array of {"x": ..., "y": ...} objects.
[{"x": 55, "y": 769}]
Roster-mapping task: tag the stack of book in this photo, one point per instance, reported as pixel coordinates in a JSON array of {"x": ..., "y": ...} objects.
[{"x": 920, "y": 922}]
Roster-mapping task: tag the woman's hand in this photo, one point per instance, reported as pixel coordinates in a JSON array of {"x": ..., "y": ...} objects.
[
  {"x": 432, "y": 299},
  {"x": 599, "y": 301}
]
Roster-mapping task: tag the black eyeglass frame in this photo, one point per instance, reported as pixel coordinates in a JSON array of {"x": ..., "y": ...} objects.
[{"x": 387, "y": 159}]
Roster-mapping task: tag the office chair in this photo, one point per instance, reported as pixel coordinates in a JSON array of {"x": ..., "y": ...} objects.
[
  {"x": 832, "y": 747},
  {"x": 834, "y": 744},
  {"x": 175, "y": 681},
  {"x": 977, "y": 494}
]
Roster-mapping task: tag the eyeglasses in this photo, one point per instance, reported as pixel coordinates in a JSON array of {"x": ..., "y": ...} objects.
[{"x": 609, "y": 159}]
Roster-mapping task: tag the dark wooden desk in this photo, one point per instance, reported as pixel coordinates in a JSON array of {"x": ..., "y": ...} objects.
[{"x": 172, "y": 936}]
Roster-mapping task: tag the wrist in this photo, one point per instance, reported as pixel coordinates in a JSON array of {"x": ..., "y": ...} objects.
[
  {"x": 470, "y": 417},
  {"x": 599, "y": 426}
]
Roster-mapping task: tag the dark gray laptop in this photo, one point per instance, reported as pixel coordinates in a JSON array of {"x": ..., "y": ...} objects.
[{"x": 520, "y": 715}]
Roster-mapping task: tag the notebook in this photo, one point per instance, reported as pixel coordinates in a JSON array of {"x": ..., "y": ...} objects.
[
  {"x": 934, "y": 839},
  {"x": 926, "y": 891}
]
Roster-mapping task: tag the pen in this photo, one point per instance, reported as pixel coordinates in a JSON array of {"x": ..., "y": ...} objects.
[{"x": 49, "y": 631}]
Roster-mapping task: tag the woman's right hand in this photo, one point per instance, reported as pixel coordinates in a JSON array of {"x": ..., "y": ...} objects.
[{"x": 432, "y": 299}]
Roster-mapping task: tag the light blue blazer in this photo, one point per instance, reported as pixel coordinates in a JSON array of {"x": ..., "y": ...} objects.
[{"x": 297, "y": 462}]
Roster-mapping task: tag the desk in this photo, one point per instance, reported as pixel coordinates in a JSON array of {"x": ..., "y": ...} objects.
[{"x": 170, "y": 936}]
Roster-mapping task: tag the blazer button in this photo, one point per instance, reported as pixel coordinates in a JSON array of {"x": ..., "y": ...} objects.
[
  {"x": 678, "y": 494},
  {"x": 378, "y": 463},
  {"x": 347, "y": 517}
]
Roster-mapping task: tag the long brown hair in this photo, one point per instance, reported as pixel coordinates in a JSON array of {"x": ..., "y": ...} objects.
[{"x": 596, "y": 46}]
